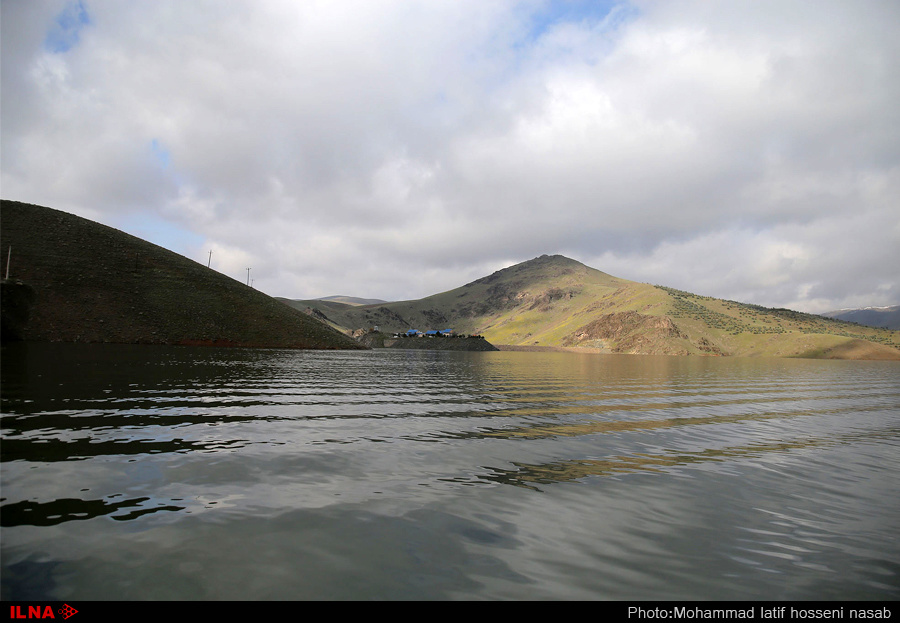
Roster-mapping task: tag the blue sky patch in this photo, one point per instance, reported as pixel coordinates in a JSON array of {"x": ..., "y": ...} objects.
[
  {"x": 160, "y": 154},
  {"x": 160, "y": 231},
  {"x": 574, "y": 11},
  {"x": 66, "y": 29}
]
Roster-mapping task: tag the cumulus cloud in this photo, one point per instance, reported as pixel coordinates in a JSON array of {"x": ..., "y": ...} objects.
[{"x": 747, "y": 150}]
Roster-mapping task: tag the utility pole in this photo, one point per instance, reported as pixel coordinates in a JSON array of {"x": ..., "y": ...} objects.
[
  {"x": 210, "y": 259},
  {"x": 8, "y": 258},
  {"x": 248, "y": 276}
]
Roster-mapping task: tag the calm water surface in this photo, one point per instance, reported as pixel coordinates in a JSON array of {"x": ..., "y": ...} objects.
[{"x": 183, "y": 473}]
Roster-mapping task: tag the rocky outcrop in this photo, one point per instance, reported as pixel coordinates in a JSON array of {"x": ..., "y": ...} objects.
[
  {"x": 630, "y": 332},
  {"x": 315, "y": 313}
]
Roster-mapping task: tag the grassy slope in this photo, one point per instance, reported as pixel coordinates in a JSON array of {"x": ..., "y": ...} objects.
[
  {"x": 558, "y": 302},
  {"x": 744, "y": 329},
  {"x": 93, "y": 283}
]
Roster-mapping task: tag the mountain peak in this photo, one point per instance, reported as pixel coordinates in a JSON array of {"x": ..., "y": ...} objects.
[
  {"x": 542, "y": 269},
  {"x": 544, "y": 261},
  {"x": 554, "y": 259}
]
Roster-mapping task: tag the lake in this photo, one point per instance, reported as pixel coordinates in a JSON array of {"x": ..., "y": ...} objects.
[{"x": 145, "y": 472}]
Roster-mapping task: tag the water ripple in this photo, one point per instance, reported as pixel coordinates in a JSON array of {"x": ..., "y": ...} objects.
[{"x": 542, "y": 475}]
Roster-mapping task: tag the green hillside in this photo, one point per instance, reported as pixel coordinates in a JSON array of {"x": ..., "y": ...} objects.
[
  {"x": 74, "y": 280},
  {"x": 556, "y": 302}
]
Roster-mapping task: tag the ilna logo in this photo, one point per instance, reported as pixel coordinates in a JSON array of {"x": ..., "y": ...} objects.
[{"x": 39, "y": 612}]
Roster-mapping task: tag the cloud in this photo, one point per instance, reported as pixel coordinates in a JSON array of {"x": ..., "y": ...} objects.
[{"x": 747, "y": 150}]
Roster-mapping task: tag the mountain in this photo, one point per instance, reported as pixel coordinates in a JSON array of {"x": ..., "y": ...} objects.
[
  {"x": 74, "y": 280},
  {"x": 351, "y": 300},
  {"x": 884, "y": 317},
  {"x": 557, "y": 302}
]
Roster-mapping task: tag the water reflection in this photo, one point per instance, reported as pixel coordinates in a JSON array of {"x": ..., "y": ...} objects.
[
  {"x": 496, "y": 475},
  {"x": 531, "y": 475},
  {"x": 26, "y": 513}
]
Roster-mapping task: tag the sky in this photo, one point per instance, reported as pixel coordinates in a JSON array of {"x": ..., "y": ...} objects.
[{"x": 741, "y": 149}]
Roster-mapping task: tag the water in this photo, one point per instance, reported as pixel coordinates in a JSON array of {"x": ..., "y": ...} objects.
[{"x": 183, "y": 473}]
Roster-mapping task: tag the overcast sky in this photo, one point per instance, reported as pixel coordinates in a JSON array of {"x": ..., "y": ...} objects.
[{"x": 748, "y": 150}]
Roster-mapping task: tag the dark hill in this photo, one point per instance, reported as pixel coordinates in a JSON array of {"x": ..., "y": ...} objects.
[{"x": 86, "y": 282}]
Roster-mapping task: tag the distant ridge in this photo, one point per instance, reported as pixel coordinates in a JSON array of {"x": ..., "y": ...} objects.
[
  {"x": 884, "y": 317},
  {"x": 351, "y": 300},
  {"x": 74, "y": 280},
  {"x": 554, "y": 302}
]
